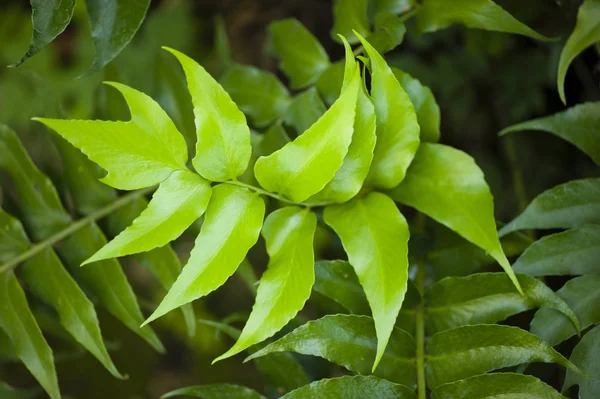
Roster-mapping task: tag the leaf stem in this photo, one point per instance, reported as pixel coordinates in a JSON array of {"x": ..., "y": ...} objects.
[
  {"x": 73, "y": 227},
  {"x": 273, "y": 195},
  {"x": 420, "y": 320}
]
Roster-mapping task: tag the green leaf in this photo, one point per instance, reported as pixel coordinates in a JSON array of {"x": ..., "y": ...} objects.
[
  {"x": 397, "y": 127},
  {"x": 215, "y": 391},
  {"x": 30, "y": 345},
  {"x": 447, "y": 185},
  {"x": 567, "y": 205},
  {"x": 301, "y": 56},
  {"x": 329, "y": 83},
  {"x": 426, "y": 107},
  {"x": 8, "y": 392},
  {"x": 375, "y": 237},
  {"x": 231, "y": 226},
  {"x": 49, "y": 18},
  {"x": 477, "y": 14},
  {"x": 582, "y": 294},
  {"x": 150, "y": 139},
  {"x": 106, "y": 280},
  {"x": 223, "y": 148},
  {"x": 259, "y": 94},
  {"x": 282, "y": 371},
  {"x": 497, "y": 386},
  {"x": 352, "y": 387},
  {"x": 572, "y": 252},
  {"x": 113, "y": 24},
  {"x": 393, "y": 6},
  {"x": 586, "y": 355},
  {"x": 486, "y": 298},
  {"x": 13, "y": 240},
  {"x": 350, "y": 341},
  {"x": 579, "y": 125},
  {"x": 349, "y": 15},
  {"x": 47, "y": 278},
  {"x": 470, "y": 350},
  {"x": 304, "y": 110},
  {"x": 336, "y": 279},
  {"x": 304, "y": 166},
  {"x": 586, "y": 33},
  {"x": 286, "y": 284},
  {"x": 179, "y": 201},
  {"x": 389, "y": 32}
]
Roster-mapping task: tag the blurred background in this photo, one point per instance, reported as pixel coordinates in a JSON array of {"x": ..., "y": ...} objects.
[{"x": 483, "y": 82}]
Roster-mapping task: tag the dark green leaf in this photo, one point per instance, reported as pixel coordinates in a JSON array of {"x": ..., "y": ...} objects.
[
  {"x": 216, "y": 391},
  {"x": 585, "y": 356},
  {"x": 329, "y": 83},
  {"x": 305, "y": 109},
  {"x": 349, "y": 15},
  {"x": 8, "y": 392},
  {"x": 336, "y": 279},
  {"x": 282, "y": 371},
  {"x": 356, "y": 387},
  {"x": 13, "y": 240},
  {"x": 389, "y": 32}
]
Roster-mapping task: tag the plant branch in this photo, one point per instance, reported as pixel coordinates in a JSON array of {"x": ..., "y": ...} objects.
[
  {"x": 420, "y": 320},
  {"x": 273, "y": 195},
  {"x": 73, "y": 227}
]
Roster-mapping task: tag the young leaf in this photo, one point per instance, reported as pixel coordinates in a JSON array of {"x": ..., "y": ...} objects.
[
  {"x": 49, "y": 18},
  {"x": 349, "y": 15},
  {"x": 30, "y": 345},
  {"x": 586, "y": 355},
  {"x": 470, "y": 350},
  {"x": 582, "y": 294},
  {"x": 571, "y": 204},
  {"x": 447, "y": 185},
  {"x": 579, "y": 125},
  {"x": 139, "y": 153},
  {"x": 496, "y": 386},
  {"x": 301, "y": 56},
  {"x": 486, "y": 298},
  {"x": 47, "y": 278},
  {"x": 477, "y": 14},
  {"x": 113, "y": 24},
  {"x": 179, "y": 201},
  {"x": 286, "y": 284},
  {"x": 586, "y": 33},
  {"x": 375, "y": 236},
  {"x": 337, "y": 280},
  {"x": 305, "y": 109},
  {"x": 304, "y": 166},
  {"x": 215, "y": 391},
  {"x": 572, "y": 252},
  {"x": 350, "y": 341},
  {"x": 223, "y": 147},
  {"x": 259, "y": 94},
  {"x": 231, "y": 227},
  {"x": 426, "y": 107},
  {"x": 352, "y": 387},
  {"x": 397, "y": 127}
]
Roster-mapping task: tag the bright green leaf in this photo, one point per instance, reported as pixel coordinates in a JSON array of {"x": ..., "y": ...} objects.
[
  {"x": 231, "y": 226},
  {"x": 215, "y": 391},
  {"x": 223, "y": 148},
  {"x": 579, "y": 125},
  {"x": 426, "y": 107},
  {"x": 586, "y": 355},
  {"x": 447, "y": 185},
  {"x": 259, "y": 94},
  {"x": 179, "y": 201},
  {"x": 497, "y": 386},
  {"x": 471, "y": 350},
  {"x": 352, "y": 387},
  {"x": 329, "y": 83},
  {"x": 586, "y": 33},
  {"x": 305, "y": 109},
  {"x": 477, "y": 14},
  {"x": 487, "y": 298},
  {"x": 350, "y": 341},
  {"x": 301, "y": 56},
  {"x": 336, "y": 279},
  {"x": 286, "y": 284},
  {"x": 30, "y": 345},
  {"x": 571, "y": 204},
  {"x": 397, "y": 127},
  {"x": 113, "y": 24},
  {"x": 582, "y": 294},
  {"x": 349, "y": 15},
  {"x": 375, "y": 236},
  {"x": 150, "y": 139}
]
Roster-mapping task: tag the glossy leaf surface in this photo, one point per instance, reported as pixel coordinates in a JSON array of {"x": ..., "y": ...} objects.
[
  {"x": 337, "y": 280},
  {"x": 585, "y": 356},
  {"x": 352, "y": 387}
]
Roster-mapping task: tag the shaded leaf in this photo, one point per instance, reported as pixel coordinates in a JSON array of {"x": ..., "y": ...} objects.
[
  {"x": 482, "y": 348},
  {"x": 571, "y": 204},
  {"x": 375, "y": 237},
  {"x": 304, "y": 110},
  {"x": 286, "y": 284},
  {"x": 301, "y": 56},
  {"x": 215, "y": 391},
  {"x": 8, "y": 392},
  {"x": 350, "y": 341},
  {"x": 349, "y": 15},
  {"x": 585, "y": 356},
  {"x": 329, "y": 83},
  {"x": 388, "y": 33},
  {"x": 352, "y": 387},
  {"x": 497, "y": 386},
  {"x": 13, "y": 240},
  {"x": 282, "y": 371},
  {"x": 231, "y": 226},
  {"x": 336, "y": 279},
  {"x": 447, "y": 185},
  {"x": 393, "y": 6}
]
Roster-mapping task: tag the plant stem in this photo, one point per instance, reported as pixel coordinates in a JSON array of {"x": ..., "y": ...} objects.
[
  {"x": 273, "y": 195},
  {"x": 420, "y": 320},
  {"x": 73, "y": 227}
]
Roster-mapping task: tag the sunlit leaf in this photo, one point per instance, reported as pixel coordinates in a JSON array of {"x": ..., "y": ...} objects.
[
  {"x": 585, "y": 356},
  {"x": 352, "y": 387}
]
